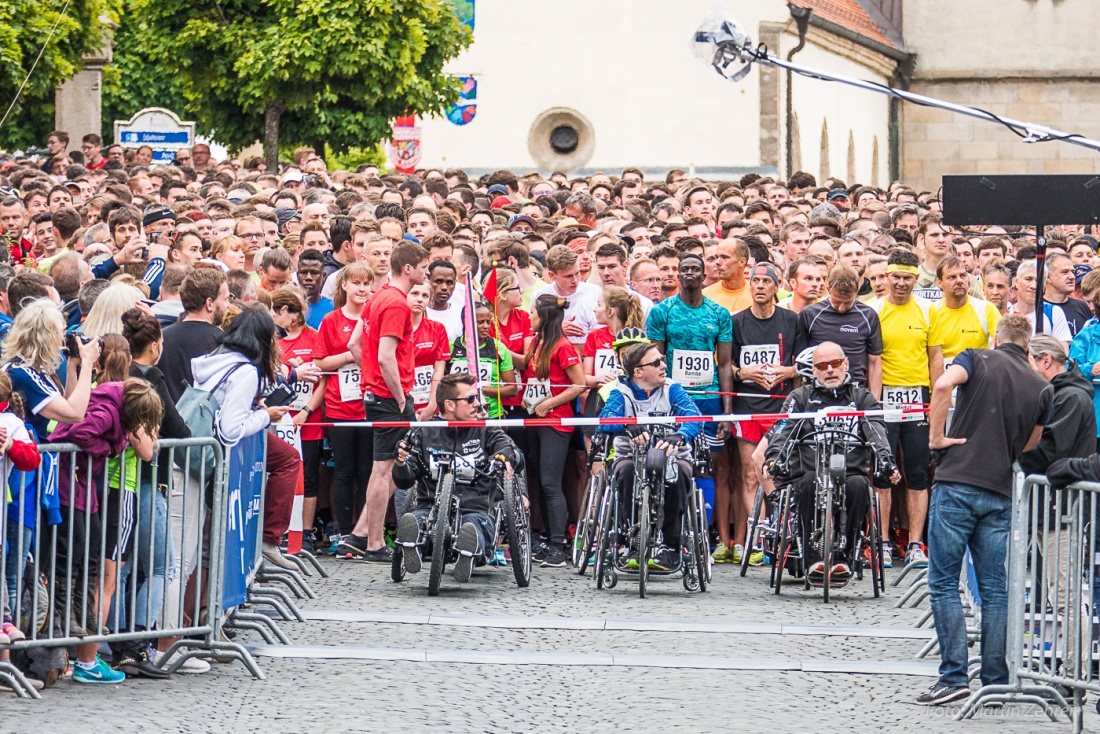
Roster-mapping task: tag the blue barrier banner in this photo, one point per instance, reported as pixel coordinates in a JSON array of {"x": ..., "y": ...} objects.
[{"x": 245, "y": 471}]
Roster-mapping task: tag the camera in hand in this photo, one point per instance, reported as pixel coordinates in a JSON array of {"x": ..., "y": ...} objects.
[
  {"x": 74, "y": 340},
  {"x": 279, "y": 397}
]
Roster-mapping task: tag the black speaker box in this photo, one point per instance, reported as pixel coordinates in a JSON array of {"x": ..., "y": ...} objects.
[{"x": 1021, "y": 200}]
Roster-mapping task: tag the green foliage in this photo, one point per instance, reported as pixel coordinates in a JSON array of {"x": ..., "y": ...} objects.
[
  {"x": 355, "y": 157},
  {"x": 342, "y": 69},
  {"x": 24, "y": 27},
  {"x": 132, "y": 82}
]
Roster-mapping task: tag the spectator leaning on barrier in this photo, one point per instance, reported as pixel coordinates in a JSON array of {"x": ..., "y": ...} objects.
[{"x": 1000, "y": 412}]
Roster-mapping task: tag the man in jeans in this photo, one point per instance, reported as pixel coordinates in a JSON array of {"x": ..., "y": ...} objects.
[{"x": 1000, "y": 412}]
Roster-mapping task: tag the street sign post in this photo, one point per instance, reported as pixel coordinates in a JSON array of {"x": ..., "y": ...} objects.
[{"x": 158, "y": 128}]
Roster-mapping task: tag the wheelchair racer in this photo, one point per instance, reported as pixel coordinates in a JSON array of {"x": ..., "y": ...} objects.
[
  {"x": 643, "y": 390},
  {"x": 831, "y": 387},
  {"x": 417, "y": 468}
]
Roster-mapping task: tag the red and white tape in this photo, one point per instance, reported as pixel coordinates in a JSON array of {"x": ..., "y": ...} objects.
[{"x": 636, "y": 421}]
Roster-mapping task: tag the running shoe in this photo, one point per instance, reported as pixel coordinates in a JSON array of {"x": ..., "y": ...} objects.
[
  {"x": 662, "y": 560},
  {"x": 722, "y": 554},
  {"x": 382, "y": 555},
  {"x": 841, "y": 572},
  {"x": 887, "y": 555},
  {"x": 738, "y": 553},
  {"x": 916, "y": 556},
  {"x": 352, "y": 547},
  {"x": 756, "y": 557},
  {"x": 816, "y": 572},
  {"x": 100, "y": 672},
  {"x": 13, "y": 633},
  {"x": 631, "y": 563},
  {"x": 555, "y": 557},
  {"x": 408, "y": 532},
  {"x": 466, "y": 545},
  {"x": 538, "y": 553},
  {"x": 940, "y": 694}
]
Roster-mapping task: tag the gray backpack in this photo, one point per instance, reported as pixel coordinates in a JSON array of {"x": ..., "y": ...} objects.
[{"x": 198, "y": 409}]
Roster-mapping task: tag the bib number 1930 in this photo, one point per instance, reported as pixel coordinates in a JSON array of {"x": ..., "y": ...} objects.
[{"x": 693, "y": 368}]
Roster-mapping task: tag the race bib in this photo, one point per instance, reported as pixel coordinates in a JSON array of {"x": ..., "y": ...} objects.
[
  {"x": 693, "y": 367},
  {"x": 349, "y": 383},
  {"x": 754, "y": 355},
  {"x": 303, "y": 391},
  {"x": 484, "y": 370},
  {"x": 826, "y": 419},
  {"x": 422, "y": 384},
  {"x": 606, "y": 361},
  {"x": 537, "y": 391},
  {"x": 290, "y": 432},
  {"x": 899, "y": 398}
]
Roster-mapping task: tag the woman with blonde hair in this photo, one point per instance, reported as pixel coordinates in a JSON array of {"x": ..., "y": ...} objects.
[
  {"x": 229, "y": 251},
  {"x": 337, "y": 354},
  {"x": 106, "y": 314},
  {"x": 616, "y": 309}
]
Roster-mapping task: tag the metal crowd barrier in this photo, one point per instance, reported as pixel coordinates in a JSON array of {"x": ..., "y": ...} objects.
[
  {"x": 83, "y": 589},
  {"x": 1052, "y": 638}
]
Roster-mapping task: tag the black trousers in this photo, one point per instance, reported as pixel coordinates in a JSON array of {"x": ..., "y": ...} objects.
[{"x": 855, "y": 500}]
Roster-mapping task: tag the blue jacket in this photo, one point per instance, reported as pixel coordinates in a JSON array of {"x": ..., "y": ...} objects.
[
  {"x": 1085, "y": 351},
  {"x": 682, "y": 404}
]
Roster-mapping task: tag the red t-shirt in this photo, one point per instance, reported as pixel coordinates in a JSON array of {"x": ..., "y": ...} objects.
[
  {"x": 303, "y": 348},
  {"x": 387, "y": 314},
  {"x": 429, "y": 346},
  {"x": 563, "y": 356},
  {"x": 598, "y": 346},
  {"x": 512, "y": 335},
  {"x": 332, "y": 339}
]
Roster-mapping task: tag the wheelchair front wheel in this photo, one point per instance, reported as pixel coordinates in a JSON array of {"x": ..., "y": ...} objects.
[
  {"x": 441, "y": 536},
  {"x": 582, "y": 544},
  {"x": 643, "y": 543},
  {"x": 519, "y": 532},
  {"x": 397, "y": 564},
  {"x": 604, "y": 570}
]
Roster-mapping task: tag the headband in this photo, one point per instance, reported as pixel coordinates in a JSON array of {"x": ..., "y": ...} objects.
[
  {"x": 767, "y": 271},
  {"x": 899, "y": 268}
]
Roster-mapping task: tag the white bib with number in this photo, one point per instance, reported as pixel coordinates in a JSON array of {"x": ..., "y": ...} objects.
[
  {"x": 693, "y": 367},
  {"x": 537, "y": 391},
  {"x": 754, "y": 355},
  {"x": 349, "y": 383},
  {"x": 606, "y": 361},
  {"x": 484, "y": 370},
  {"x": 290, "y": 432},
  {"x": 900, "y": 398},
  {"x": 422, "y": 384},
  {"x": 303, "y": 391}
]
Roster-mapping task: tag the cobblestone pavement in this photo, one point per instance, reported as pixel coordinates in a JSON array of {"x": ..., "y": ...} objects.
[{"x": 582, "y": 692}]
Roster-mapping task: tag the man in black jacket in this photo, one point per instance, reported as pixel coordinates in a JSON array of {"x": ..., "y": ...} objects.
[
  {"x": 1069, "y": 434},
  {"x": 418, "y": 468},
  {"x": 832, "y": 388}
]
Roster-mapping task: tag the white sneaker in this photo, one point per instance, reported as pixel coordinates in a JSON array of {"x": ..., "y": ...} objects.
[{"x": 192, "y": 666}]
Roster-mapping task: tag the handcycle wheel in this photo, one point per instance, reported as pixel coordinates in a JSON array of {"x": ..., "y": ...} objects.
[
  {"x": 604, "y": 570},
  {"x": 878, "y": 567},
  {"x": 697, "y": 545},
  {"x": 750, "y": 532},
  {"x": 643, "y": 542},
  {"x": 702, "y": 540},
  {"x": 782, "y": 541},
  {"x": 827, "y": 541},
  {"x": 519, "y": 532},
  {"x": 582, "y": 544},
  {"x": 440, "y": 538},
  {"x": 397, "y": 565}
]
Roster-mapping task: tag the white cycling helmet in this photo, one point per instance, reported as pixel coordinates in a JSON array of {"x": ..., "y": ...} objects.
[{"x": 804, "y": 363}]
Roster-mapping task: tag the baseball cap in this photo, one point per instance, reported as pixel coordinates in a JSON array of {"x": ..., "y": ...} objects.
[
  {"x": 292, "y": 174},
  {"x": 286, "y": 215},
  {"x": 1080, "y": 270},
  {"x": 836, "y": 194},
  {"x": 498, "y": 189},
  {"x": 522, "y": 218},
  {"x": 500, "y": 202}
]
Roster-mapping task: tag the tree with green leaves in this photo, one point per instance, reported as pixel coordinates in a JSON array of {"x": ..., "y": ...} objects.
[
  {"x": 298, "y": 71},
  {"x": 31, "y": 27}
]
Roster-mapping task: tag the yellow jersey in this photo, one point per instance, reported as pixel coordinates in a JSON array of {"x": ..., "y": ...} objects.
[
  {"x": 970, "y": 327},
  {"x": 907, "y": 333}
]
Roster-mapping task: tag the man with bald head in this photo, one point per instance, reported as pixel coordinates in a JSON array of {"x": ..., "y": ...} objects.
[{"x": 830, "y": 388}]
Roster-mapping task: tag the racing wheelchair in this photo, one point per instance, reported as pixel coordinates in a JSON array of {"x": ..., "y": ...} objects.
[
  {"x": 780, "y": 534},
  {"x": 618, "y": 537},
  {"x": 510, "y": 517}
]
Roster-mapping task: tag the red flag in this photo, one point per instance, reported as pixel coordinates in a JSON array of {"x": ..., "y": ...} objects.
[{"x": 489, "y": 290}]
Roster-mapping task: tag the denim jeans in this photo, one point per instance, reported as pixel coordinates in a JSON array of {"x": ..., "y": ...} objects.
[
  {"x": 154, "y": 564},
  {"x": 962, "y": 516}
]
